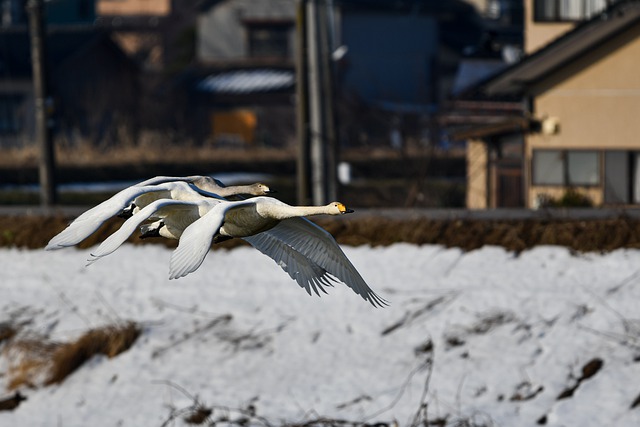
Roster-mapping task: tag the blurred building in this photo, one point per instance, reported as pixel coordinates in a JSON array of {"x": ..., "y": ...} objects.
[
  {"x": 158, "y": 34},
  {"x": 241, "y": 86},
  {"x": 396, "y": 60},
  {"x": 93, "y": 84},
  {"x": 561, "y": 121}
]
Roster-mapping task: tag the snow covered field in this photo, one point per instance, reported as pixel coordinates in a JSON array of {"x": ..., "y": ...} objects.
[{"x": 490, "y": 338}]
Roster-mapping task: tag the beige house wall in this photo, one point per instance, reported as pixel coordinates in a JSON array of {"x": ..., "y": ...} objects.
[
  {"x": 133, "y": 7},
  {"x": 538, "y": 34},
  {"x": 477, "y": 160},
  {"x": 596, "y": 101}
]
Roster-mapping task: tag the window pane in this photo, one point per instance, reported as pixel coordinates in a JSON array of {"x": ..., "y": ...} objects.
[
  {"x": 636, "y": 177},
  {"x": 545, "y": 10},
  {"x": 548, "y": 167},
  {"x": 584, "y": 168},
  {"x": 593, "y": 7},
  {"x": 269, "y": 40},
  {"x": 570, "y": 10},
  {"x": 616, "y": 177},
  {"x": 567, "y": 10}
]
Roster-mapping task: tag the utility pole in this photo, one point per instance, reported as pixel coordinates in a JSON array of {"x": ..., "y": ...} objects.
[
  {"x": 316, "y": 130},
  {"x": 302, "y": 105},
  {"x": 329, "y": 129},
  {"x": 46, "y": 164},
  {"x": 316, "y": 107}
]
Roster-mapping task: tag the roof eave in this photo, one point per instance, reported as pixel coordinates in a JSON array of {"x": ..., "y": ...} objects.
[{"x": 563, "y": 50}]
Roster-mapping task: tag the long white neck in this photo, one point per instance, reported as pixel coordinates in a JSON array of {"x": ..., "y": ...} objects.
[
  {"x": 233, "y": 190},
  {"x": 286, "y": 211}
]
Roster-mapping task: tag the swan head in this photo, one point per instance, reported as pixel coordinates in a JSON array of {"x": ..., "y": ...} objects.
[
  {"x": 259, "y": 189},
  {"x": 339, "y": 208}
]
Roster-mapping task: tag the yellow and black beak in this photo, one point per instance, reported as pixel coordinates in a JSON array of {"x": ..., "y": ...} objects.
[{"x": 343, "y": 209}]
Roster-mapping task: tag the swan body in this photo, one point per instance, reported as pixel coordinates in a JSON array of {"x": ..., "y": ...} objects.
[
  {"x": 305, "y": 251},
  {"x": 137, "y": 197},
  {"x": 280, "y": 232}
]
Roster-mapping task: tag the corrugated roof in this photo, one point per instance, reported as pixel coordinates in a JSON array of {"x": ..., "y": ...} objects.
[{"x": 243, "y": 82}]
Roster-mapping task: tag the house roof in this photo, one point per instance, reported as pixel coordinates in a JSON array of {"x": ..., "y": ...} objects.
[
  {"x": 242, "y": 82},
  {"x": 561, "y": 51}
]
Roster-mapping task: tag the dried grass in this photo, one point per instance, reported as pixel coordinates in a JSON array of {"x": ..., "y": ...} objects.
[
  {"x": 29, "y": 359},
  {"x": 7, "y": 331},
  {"x": 37, "y": 361},
  {"x": 150, "y": 150},
  {"x": 600, "y": 235},
  {"x": 109, "y": 341}
]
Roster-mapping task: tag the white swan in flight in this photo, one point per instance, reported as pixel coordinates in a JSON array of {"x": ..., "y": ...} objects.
[
  {"x": 308, "y": 253},
  {"x": 139, "y": 196},
  {"x": 204, "y": 183}
]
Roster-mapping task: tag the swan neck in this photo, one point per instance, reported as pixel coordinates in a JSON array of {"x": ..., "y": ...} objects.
[{"x": 284, "y": 212}]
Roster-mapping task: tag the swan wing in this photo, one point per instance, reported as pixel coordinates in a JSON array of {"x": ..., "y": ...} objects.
[
  {"x": 312, "y": 257},
  {"x": 87, "y": 223},
  {"x": 188, "y": 179},
  {"x": 195, "y": 241},
  {"x": 305, "y": 272},
  {"x": 164, "y": 179},
  {"x": 205, "y": 192},
  {"x": 160, "y": 207}
]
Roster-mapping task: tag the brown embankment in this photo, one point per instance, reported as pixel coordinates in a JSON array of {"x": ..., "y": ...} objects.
[{"x": 582, "y": 235}]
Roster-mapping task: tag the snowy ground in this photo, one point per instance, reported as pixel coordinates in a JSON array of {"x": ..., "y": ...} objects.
[{"x": 493, "y": 338}]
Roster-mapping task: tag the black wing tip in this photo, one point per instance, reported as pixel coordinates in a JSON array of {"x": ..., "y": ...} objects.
[{"x": 376, "y": 301}]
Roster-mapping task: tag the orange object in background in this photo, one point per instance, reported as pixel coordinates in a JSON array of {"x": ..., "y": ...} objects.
[{"x": 233, "y": 127}]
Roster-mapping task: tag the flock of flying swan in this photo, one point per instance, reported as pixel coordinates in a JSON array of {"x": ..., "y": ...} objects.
[{"x": 199, "y": 210}]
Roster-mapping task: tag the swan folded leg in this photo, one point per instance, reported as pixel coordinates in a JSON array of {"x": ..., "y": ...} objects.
[
  {"x": 151, "y": 230},
  {"x": 127, "y": 212}
]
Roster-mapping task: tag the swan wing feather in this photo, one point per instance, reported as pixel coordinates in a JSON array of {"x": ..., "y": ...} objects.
[
  {"x": 297, "y": 266},
  {"x": 195, "y": 241},
  {"x": 160, "y": 207},
  {"x": 164, "y": 179},
  {"x": 312, "y": 257},
  {"x": 87, "y": 223}
]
